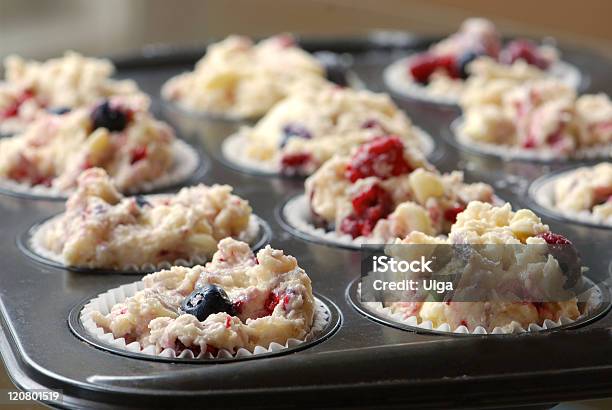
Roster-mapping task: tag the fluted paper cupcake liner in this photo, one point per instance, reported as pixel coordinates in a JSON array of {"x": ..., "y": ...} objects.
[
  {"x": 396, "y": 79},
  {"x": 297, "y": 216},
  {"x": 233, "y": 150},
  {"x": 105, "y": 301},
  {"x": 542, "y": 191},
  {"x": 206, "y": 115},
  {"x": 592, "y": 299},
  {"x": 513, "y": 152},
  {"x": 234, "y": 147},
  {"x": 256, "y": 229},
  {"x": 186, "y": 162}
]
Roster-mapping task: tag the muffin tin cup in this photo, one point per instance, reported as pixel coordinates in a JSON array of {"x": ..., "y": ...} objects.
[
  {"x": 396, "y": 80},
  {"x": 234, "y": 156},
  {"x": 596, "y": 301},
  {"x": 459, "y": 139},
  {"x": 541, "y": 199},
  {"x": 188, "y": 163},
  {"x": 294, "y": 216},
  {"x": 327, "y": 320},
  {"x": 258, "y": 234},
  {"x": 213, "y": 127}
]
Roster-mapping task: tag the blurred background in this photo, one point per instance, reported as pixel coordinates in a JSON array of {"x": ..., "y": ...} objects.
[{"x": 40, "y": 28}]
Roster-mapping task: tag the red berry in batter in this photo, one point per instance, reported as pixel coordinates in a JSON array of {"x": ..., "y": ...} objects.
[
  {"x": 449, "y": 64},
  {"x": 451, "y": 213},
  {"x": 292, "y": 163},
  {"x": 369, "y": 206},
  {"x": 138, "y": 153},
  {"x": 271, "y": 302},
  {"x": 422, "y": 66},
  {"x": 13, "y": 109},
  {"x": 523, "y": 50},
  {"x": 554, "y": 238},
  {"x": 382, "y": 157}
]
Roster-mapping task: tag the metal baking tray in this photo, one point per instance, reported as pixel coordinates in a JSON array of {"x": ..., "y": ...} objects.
[{"x": 365, "y": 363}]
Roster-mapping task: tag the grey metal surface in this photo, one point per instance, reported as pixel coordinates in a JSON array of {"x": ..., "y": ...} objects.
[{"x": 364, "y": 364}]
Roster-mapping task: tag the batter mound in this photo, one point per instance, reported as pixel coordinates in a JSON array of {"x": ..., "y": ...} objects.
[{"x": 238, "y": 300}]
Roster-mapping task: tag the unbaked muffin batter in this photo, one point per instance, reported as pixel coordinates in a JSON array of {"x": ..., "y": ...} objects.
[
  {"x": 100, "y": 228},
  {"x": 239, "y": 300}
]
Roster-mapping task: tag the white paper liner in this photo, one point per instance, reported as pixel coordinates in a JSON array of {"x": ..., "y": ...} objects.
[
  {"x": 398, "y": 80},
  {"x": 542, "y": 192},
  {"x": 186, "y": 161},
  {"x": 205, "y": 115},
  {"x": 105, "y": 301},
  {"x": 514, "y": 152},
  {"x": 296, "y": 213},
  {"x": 592, "y": 299},
  {"x": 35, "y": 242},
  {"x": 234, "y": 150}
]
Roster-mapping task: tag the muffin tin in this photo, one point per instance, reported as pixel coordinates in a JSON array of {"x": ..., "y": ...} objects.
[{"x": 361, "y": 362}]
